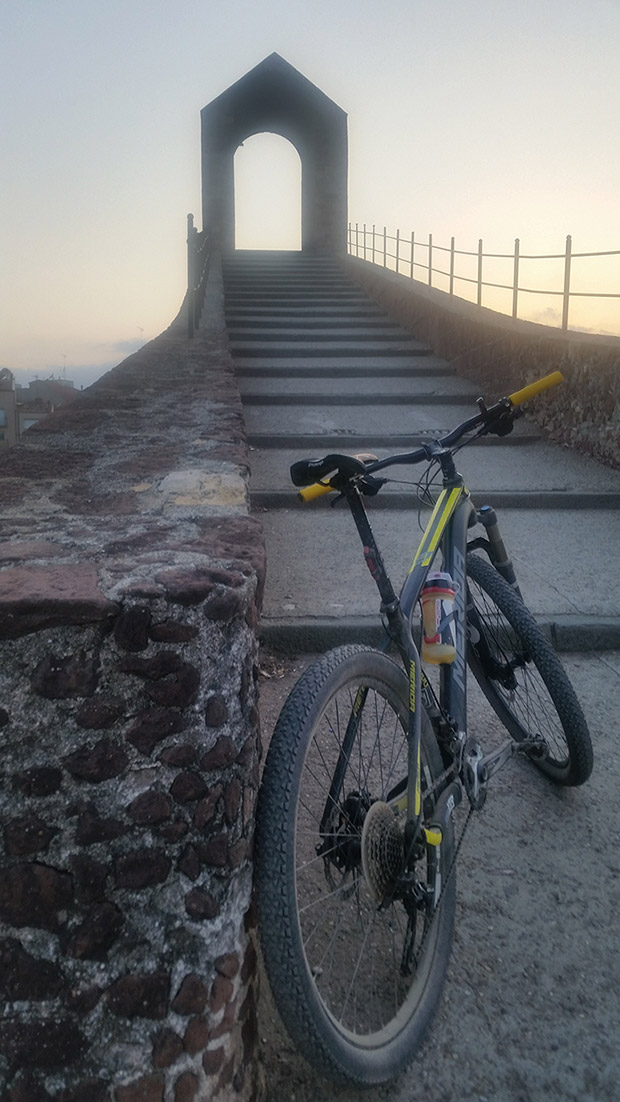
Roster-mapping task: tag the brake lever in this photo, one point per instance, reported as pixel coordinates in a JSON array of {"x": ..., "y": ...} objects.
[{"x": 501, "y": 423}]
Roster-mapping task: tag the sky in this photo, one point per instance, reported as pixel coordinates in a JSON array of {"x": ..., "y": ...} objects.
[{"x": 468, "y": 118}]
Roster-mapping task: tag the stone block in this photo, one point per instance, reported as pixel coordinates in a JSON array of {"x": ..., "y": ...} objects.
[
  {"x": 101, "y": 762},
  {"x": 140, "y": 996},
  {"x": 152, "y": 726},
  {"x": 27, "y": 834},
  {"x": 24, "y": 977},
  {"x": 41, "y": 1042},
  {"x": 167, "y": 1047},
  {"x": 35, "y": 895},
  {"x": 60, "y": 678},
  {"x": 191, "y": 998},
  {"x": 201, "y": 904},
  {"x": 97, "y": 933},
  {"x": 37, "y": 597},
  {"x": 141, "y": 869}
]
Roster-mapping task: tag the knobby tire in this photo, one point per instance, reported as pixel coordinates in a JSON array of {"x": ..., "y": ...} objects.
[
  {"x": 524, "y": 682},
  {"x": 334, "y": 956}
]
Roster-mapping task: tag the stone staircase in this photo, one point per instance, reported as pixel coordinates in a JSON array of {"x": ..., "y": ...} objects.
[{"x": 322, "y": 369}]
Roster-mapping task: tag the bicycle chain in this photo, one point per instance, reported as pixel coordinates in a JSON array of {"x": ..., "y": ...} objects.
[
  {"x": 450, "y": 772},
  {"x": 444, "y": 885}
]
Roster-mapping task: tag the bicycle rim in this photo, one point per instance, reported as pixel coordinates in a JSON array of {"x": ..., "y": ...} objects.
[
  {"x": 360, "y": 950},
  {"x": 529, "y": 688}
]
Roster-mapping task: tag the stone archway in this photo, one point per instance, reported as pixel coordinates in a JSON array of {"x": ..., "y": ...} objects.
[{"x": 276, "y": 97}]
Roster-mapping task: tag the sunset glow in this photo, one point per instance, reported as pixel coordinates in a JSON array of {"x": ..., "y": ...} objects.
[{"x": 484, "y": 119}]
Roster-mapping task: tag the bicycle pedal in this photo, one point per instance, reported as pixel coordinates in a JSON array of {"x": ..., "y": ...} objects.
[{"x": 533, "y": 748}]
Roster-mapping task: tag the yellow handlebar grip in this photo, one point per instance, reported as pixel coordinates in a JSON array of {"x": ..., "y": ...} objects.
[
  {"x": 316, "y": 490},
  {"x": 533, "y": 389}
]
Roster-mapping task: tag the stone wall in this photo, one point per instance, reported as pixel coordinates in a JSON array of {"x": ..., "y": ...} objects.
[
  {"x": 502, "y": 354},
  {"x": 130, "y": 589}
]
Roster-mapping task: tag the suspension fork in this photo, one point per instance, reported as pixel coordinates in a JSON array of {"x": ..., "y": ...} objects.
[{"x": 496, "y": 548}]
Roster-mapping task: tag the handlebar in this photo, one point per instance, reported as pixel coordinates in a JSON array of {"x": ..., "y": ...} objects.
[
  {"x": 524, "y": 395},
  {"x": 308, "y": 493},
  {"x": 317, "y": 477}
]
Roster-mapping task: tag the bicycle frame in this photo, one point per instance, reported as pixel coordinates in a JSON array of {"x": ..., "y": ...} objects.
[{"x": 446, "y": 532}]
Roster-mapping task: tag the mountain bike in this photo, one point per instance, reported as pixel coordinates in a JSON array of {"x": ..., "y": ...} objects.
[{"x": 372, "y": 775}]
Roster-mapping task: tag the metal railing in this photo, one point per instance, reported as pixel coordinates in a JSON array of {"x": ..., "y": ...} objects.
[
  {"x": 375, "y": 246},
  {"x": 197, "y": 269}
]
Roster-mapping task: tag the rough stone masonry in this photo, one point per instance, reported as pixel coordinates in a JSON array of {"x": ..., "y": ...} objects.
[{"x": 130, "y": 589}]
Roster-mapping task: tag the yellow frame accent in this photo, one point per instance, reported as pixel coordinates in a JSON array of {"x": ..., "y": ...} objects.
[{"x": 444, "y": 508}]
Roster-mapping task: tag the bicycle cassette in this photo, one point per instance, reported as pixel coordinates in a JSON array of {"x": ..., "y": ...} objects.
[{"x": 382, "y": 849}]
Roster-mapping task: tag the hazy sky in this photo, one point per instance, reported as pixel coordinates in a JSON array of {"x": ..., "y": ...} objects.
[{"x": 473, "y": 118}]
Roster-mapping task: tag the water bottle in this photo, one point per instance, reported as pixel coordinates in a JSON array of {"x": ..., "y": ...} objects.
[{"x": 439, "y": 640}]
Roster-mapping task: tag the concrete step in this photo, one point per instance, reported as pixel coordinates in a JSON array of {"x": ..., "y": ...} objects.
[
  {"x": 500, "y": 499},
  {"x": 329, "y": 335},
  {"x": 415, "y": 416},
  {"x": 315, "y": 347},
  {"x": 354, "y": 397},
  {"x": 359, "y": 324},
  {"x": 423, "y": 388},
  {"x": 569, "y": 633},
  {"x": 419, "y": 369},
  {"x": 316, "y": 565},
  {"x": 322, "y": 369},
  {"x": 535, "y": 468},
  {"x": 341, "y": 363},
  {"x": 293, "y": 299},
  {"x": 303, "y": 312},
  {"x": 347, "y": 442},
  {"x": 272, "y": 288}
]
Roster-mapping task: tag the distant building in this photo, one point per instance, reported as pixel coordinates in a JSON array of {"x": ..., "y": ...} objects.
[
  {"x": 22, "y": 406},
  {"x": 9, "y": 430}
]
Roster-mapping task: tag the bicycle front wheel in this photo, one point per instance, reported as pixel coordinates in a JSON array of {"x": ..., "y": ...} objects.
[
  {"x": 355, "y": 959},
  {"x": 523, "y": 678}
]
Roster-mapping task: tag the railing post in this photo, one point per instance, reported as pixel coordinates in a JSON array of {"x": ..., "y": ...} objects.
[
  {"x": 566, "y": 295},
  {"x": 364, "y": 240},
  {"x": 397, "y": 248},
  {"x": 357, "y": 239},
  {"x": 412, "y": 249},
  {"x": 515, "y": 279},
  {"x": 430, "y": 259},
  {"x": 451, "y": 265},
  {"x": 480, "y": 271},
  {"x": 191, "y": 281},
  {"x": 385, "y": 246},
  {"x": 373, "y": 242}
]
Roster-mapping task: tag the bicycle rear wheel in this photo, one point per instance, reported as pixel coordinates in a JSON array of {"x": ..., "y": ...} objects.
[
  {"x": 356, "y": 974},
  {"x": 523, "y": 678}
]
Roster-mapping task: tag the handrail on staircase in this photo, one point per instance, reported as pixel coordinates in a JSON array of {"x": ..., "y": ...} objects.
[{"x": 398, "y": 252}]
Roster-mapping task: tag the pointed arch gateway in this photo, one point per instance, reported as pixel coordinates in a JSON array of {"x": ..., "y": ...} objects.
[{"x": 275, "y": 97}]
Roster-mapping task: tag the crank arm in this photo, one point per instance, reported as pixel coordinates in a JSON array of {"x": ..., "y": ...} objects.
[{"x": 491, "y": 763}]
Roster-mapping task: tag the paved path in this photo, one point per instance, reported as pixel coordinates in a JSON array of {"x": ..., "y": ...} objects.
[
  {"x": 322, "y": 369},
  {"x": 530, "y": 1009}
]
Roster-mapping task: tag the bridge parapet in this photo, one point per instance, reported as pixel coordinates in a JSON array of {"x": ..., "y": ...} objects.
[
  {"x": 130, "y": 588},
  {"x": 501, "y": 354}
]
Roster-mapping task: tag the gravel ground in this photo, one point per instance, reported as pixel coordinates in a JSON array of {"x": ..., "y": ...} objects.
[{"x": 531, "y": 1008}]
